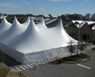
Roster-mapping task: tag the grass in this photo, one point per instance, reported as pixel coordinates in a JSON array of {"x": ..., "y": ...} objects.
[
  {"x": 21, "y": 74},
  {"x": 88, "y": 57},
  {"x": 4, "y": 72},
  {"x": 73, "y": 59},
  {"x": 72, "y": 62},
  {"x": 79, "y": 60}
]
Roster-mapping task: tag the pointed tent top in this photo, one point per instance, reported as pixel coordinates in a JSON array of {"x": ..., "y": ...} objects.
[
  {"x": 5, "y": 22},
  {"x": 32, "y": 22},
  {"x": 15, "y": 21},
  {"x": 28, "y": 18},
  {"x": 32, "y": 26},
  {"x": 27, "y": 21},
  {"x": 41, "y": 24},
  {"x": 3, "y": 17},
  {"x": 42, "y": 20},
  {"x": 4, "y": 26},
  {"x": 60, "y": 24}
]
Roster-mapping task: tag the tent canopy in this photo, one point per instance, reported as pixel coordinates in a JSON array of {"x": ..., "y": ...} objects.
[{"x": 31, "y": 42}]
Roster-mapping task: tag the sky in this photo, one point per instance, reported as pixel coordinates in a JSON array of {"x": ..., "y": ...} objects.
[{"x": 45, "y": 7}]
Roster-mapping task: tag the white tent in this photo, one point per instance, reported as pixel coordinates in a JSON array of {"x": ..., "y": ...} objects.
[{"x": 35, "y": 43}]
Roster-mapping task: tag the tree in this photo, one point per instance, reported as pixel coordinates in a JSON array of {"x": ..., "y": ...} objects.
[
  {"x": 2, "y": 57},
  {"x": 50, "y": 16},
  {"x": 82, "y": 46},
  {"x": 41, "y": 15},
  {"x": 29, "y": 14},
  {"x": 63, "y": 17},
  {"x": 71, "y": 47},
  {"x": 76, "y": 17}
]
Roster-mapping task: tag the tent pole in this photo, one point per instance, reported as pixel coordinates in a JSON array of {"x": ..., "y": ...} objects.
[{"x": 78, "y": 39}]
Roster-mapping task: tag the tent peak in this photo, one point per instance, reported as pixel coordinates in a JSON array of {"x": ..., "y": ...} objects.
[
  {"x": 41, "y": 24},
  {"x": 60, "y": 25},
  {"x": 32, "y": 26},
  {"x": 15, "y": 21}
]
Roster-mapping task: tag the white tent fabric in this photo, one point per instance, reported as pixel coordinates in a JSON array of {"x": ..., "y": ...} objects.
[
  {"x": 14, "y": 32},
  {"x": 35, "y": 43},
  {"x": 52, "y": 20},
  {"x": 41, "y": 24},
  {"x": 4, "y": 26},
  {"x": 36, "y": 39}
]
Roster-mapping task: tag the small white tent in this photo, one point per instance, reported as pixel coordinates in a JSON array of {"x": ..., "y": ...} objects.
[{"x": 35, "y": 43}]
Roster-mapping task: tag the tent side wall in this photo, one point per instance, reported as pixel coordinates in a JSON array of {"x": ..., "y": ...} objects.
[
  {"x": 46, "y": 54},
  {"x": 36, "y": 55}
]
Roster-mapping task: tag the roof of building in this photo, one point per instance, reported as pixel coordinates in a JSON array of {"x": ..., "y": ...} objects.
[{"x": 81, "y": 23}]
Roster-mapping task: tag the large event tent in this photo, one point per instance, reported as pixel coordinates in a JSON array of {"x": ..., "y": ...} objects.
[{"x": 29, "y": 42}]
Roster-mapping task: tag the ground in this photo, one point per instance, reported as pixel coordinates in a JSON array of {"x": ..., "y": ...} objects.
[
  {"x": 86, "y": 69},
  {"x": 10, "y": 72}
]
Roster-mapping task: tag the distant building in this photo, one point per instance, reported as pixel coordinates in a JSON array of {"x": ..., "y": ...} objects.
[
  {"x": 67, "y": 15},
  {"x": 80, "y": 15},
  {"x": 87, "y": 16},
  {"x": 1, "y": 15},
  {"x": 86, "y": 33},
  {"x": 94, "y": 16}
]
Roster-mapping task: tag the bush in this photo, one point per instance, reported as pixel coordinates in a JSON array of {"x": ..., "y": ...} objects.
[
  {"x": 71, "y": 47},
  {"x": 73, "y": 59}
]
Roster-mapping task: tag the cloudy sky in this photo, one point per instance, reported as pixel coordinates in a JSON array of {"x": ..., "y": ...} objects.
[{"x": 54, "y": 7}]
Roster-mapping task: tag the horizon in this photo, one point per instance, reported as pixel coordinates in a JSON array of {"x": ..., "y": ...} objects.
[{"x": 45, "y": 7}]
